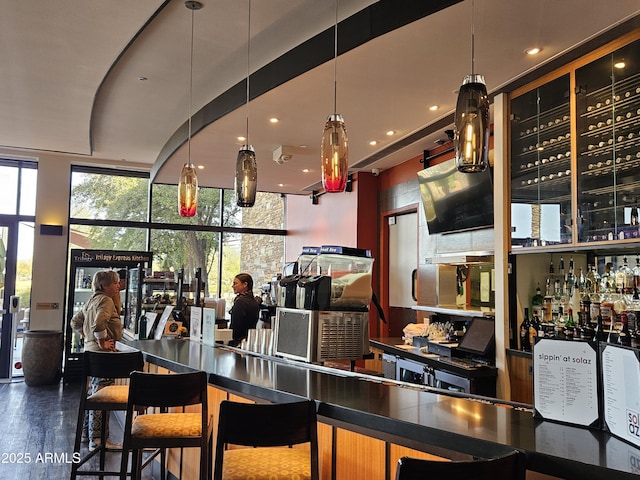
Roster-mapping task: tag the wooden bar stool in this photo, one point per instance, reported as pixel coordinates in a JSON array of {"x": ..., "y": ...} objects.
[
  {"x": 277, "y": 426},
  {"x": 162, "y": 429},
  {"x": 508, "y": 467},
  {"x": 116, "y": 365}
]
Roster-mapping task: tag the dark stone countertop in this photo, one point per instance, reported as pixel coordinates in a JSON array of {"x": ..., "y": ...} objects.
[{"x": 419, "y": 414}]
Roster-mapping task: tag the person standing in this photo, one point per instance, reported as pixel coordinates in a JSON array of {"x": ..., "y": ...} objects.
[
  {"x": 101, "y": 327},
  {"x": 245, "y": 309}
]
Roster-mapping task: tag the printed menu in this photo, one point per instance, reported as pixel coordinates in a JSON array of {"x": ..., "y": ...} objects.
[
  {"x": 565, "y": 382},
  {"x": 621, "y": 392}
]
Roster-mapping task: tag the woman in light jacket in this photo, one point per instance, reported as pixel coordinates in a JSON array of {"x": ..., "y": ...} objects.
[{"x": 101, "y": 327}]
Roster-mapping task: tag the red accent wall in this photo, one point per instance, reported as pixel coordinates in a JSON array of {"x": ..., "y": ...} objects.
[{"x": 348, "y": 219}]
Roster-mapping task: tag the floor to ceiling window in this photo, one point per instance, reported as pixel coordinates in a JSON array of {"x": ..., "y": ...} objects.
[{"x": 116, "y": 210}]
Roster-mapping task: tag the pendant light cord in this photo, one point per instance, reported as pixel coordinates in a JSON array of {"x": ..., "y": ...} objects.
[
  {"x": 335, "y": 62},
  {"x": 248, "y": 66},
  {"x": 473, "y": 37},
  {"x": 190, "y": 87}
]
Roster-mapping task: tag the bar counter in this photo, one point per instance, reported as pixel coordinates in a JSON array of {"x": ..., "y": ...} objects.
[{"x": 419, "y": 417}]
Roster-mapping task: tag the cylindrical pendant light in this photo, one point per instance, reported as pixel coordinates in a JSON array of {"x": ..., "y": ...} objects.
[
  {"x": 471, "y": 135},
  {"x": 246, "y": 177},
  {"x": 335, "y": 146},
  {"x": 188, "y": 182},
  {"x": 188, "y": 191},
  {"x": 335, "y": 154},
  {"x": 471, "y": 132},
  {"x": 246, "y": 180}
]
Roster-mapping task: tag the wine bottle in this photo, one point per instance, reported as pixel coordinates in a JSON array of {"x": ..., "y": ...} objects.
[
  {"x": 525, "y": 341},
  {"x": 624, "y": 337}
]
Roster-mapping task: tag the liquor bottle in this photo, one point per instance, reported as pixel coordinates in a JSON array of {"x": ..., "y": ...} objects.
[
  {"x": 538, "y": 325},
  {"x": 592, "y": 280},
  {"x": 534, "y": 331},
  {"x": 570, "y": 326},
  {"x": 634, "y": 216},
  {"x": 571, "y": 277},
  {"x": 636, "y": 274},
  {"x": 586, "y": 330},
  {"x": 558, "y": 325},
  {"x": 525, "y": 341},
  {"x": 598, "y": 334},
  {"x": 624, "y": 337},
  {"x": 624, "y": 278},
  {"x": 537, "y": 301}
]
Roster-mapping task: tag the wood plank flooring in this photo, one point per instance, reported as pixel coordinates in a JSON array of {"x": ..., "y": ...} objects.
[{"x": 37, "y": 428}]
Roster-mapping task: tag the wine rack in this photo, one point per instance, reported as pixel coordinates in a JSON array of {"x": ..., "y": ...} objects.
[
  {"x": 541, "y": 165},
  {"x": 608, "y": 147}
]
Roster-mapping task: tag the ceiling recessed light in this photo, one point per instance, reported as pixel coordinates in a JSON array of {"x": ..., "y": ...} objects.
[
  {"x": 620, "y": 64},
  {"x": 281, "y": 184},
  {"x": 273, "y": 120},
  {"x": 433, "y": 108},
  {"x": 391, "y": 132},
  {"x": 373, "y": 142},
  {"x": 201, "y": 167},
  {"x": 305, "y": 170},
  {"x": 241, "y": 138},
  {"x": 142, "y": 79},
  {"x": 533, "y": 50}
]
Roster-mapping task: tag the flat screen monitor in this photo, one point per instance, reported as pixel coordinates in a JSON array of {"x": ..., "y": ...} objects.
[
  {"x": 479, "y": 338},
  {"x": 454, "y": 201}
]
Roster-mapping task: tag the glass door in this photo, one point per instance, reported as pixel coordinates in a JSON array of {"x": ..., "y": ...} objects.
[{"x": 8, "y": 329}]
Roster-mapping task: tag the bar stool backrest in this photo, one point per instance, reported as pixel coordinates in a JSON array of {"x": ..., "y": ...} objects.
[
  {"x": 168, "y": 390},
  {"x": 112, "y": 364},
  {"x": 508, "y": 467}
]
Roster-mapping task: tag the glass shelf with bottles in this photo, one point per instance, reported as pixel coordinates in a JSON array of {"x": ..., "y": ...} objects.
[
  {"x": 541, "y": 165},
  {"x": 608, "y": 147}
]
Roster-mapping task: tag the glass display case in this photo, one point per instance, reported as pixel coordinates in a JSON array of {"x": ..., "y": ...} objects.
[
  {"x": 541, "y": 208},
  {"x": 608, "y": 146}
]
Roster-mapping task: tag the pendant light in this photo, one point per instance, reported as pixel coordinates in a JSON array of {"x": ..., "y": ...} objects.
[
  {"x": 471, "y": 132},
  {"x": 188, "y": 183},
  {"x": 335, "y": 148},
  {"x": 246, "y": 181}
]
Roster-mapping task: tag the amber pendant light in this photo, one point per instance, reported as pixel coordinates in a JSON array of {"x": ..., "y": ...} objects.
[
  {"x": 188, "y": 183},
  {"x": 471, "y": 132},
  {"x": 335, "y": 146},
  {"x": 246, "y": 181}
]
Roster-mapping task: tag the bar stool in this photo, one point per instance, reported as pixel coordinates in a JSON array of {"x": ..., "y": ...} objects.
[
  {"x": 162, "y": 429},
  {"x": 278, "y": 425},
  {"x": 116, "y": 365},
  {"x": 507, "y": 467}
]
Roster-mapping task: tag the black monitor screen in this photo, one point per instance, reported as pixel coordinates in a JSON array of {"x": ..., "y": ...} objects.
[
  {"x": 479, "y": 337},
  {"x": 454, "y": 201}
]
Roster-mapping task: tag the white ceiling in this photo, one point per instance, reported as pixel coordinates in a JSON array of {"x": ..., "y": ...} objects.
[{"x": 69, "y": 81}]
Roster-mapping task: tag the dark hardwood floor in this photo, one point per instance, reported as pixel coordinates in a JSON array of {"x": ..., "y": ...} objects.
[{"x": 37, "y": 428}]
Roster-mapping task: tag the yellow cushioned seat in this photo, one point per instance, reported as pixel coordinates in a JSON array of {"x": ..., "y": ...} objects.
[
  {"x": 111, "y": 394},
  {"x": 164, "y": 425},
  {"x": 268, "y": 463}
]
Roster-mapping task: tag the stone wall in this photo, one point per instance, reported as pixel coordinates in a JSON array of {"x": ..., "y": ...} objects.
[{"x": 262, "y": 256}]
